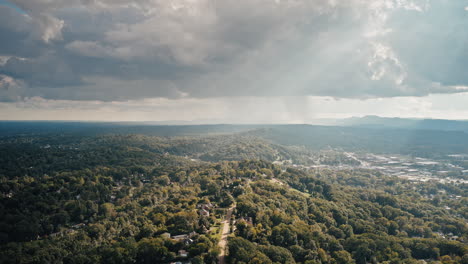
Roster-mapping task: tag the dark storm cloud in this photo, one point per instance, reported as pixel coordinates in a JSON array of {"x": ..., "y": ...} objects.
[{"x": 120, "y": 50}]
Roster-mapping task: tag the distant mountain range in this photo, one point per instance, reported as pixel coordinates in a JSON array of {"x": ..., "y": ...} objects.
[
  {"x": 180, "y": 127},
  {"x": 405, "y": 123},
  {"x": 365, "y": 122}
]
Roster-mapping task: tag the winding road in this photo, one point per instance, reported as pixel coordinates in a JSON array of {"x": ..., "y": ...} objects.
[{"x": 224, "y": 235}]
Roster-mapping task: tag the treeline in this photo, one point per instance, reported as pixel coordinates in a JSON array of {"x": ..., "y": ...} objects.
[{"x": 44, "y": 154}]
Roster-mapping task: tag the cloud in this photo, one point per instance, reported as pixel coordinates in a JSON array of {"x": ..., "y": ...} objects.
[
  {"x": 124, "y": 50},
  {"x": 48, "y": 70},
  {"x": 10, "y": 89},
  {"x": 3, "y": 60},
  {"x": 434, "y": 43},
  {"x": 50, "y": 28}
]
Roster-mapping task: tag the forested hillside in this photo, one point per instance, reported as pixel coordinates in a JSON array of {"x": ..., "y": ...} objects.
[
  {"x": 411, "y": 140},
  {"x": 378, "y": 140},
  {"x": 146, "y": 199}
]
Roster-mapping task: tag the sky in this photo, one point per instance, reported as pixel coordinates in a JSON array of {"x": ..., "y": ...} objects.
[{"x": 232, "y": 61}]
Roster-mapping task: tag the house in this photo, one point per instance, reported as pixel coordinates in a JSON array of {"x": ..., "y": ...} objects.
[
  {"x": 166, "y": 235},
  {"x": 204, "y": 212},
  {"x": 56, "y": 234},
  {"x": 204, "y": 229},
  {"x": 185, "y": 237},
  {"x": 188, "y": 241},
  {"x": 78, "y": 226},
  {"x": 183, "y": 253},
  {"x": 180, "y": 237},
  {"x": 70, "y": 231},
  {"x": 248, "y": 220},
  {"x": 205, "y": 206}
]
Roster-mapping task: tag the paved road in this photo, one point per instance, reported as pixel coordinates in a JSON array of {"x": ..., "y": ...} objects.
[{"x": 224, "y": 235}]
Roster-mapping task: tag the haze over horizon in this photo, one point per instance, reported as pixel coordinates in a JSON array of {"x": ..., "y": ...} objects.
[{"x": 244, "y": 61}]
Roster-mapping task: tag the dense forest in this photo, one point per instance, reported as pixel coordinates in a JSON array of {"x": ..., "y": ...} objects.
[
  {"x": 122, "y": 198},
  {"x": 408, "y": 139}
]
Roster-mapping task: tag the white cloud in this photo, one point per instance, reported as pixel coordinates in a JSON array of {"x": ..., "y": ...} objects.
[
  {"x": 3, "y": 60},
  {"x": 50, "y": 27},
  {"x": 10, "y": 88}
]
